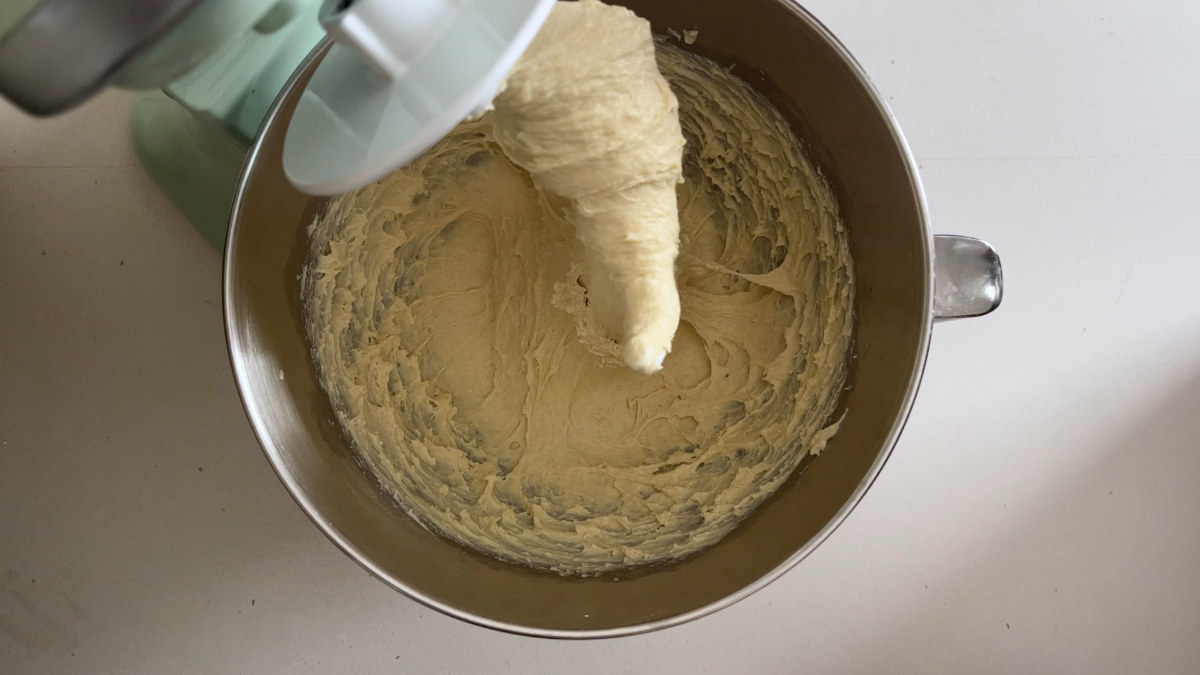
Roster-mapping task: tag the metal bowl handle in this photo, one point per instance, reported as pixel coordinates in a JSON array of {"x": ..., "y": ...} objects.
[{"x": 968, "y": 279}]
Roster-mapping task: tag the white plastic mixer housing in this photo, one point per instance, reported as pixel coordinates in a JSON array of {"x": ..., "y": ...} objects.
[{"x": 400, "y": 76}]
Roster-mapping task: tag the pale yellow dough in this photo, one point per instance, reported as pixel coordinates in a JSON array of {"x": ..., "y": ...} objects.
[
  {"x": 453, "y": 323},
  {"x": 589, "y": 116}
]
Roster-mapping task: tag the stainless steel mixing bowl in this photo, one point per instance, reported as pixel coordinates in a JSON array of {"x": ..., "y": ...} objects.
[{"x": 797, "y": 63}]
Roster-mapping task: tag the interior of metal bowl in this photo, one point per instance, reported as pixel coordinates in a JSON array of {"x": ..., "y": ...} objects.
[{"x": 785, "y": 53}]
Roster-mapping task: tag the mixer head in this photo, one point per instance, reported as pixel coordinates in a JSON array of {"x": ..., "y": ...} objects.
[{"x": 400, "y": 75}]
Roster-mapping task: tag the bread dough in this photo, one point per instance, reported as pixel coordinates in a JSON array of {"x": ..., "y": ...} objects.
[
  {"x": 613, "y": 154},
  {"x": 453, "y": 328}
]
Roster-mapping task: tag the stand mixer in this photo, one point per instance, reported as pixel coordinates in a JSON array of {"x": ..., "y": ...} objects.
[{"x": 401, "y": 74}]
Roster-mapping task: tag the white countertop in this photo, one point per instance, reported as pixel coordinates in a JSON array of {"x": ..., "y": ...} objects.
[{"x": 1040, "y": 514}]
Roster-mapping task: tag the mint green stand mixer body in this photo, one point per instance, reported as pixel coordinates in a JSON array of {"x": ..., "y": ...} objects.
[
  {"x": 401, "y": 74},
  {"x": 192, "y": 135}
]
